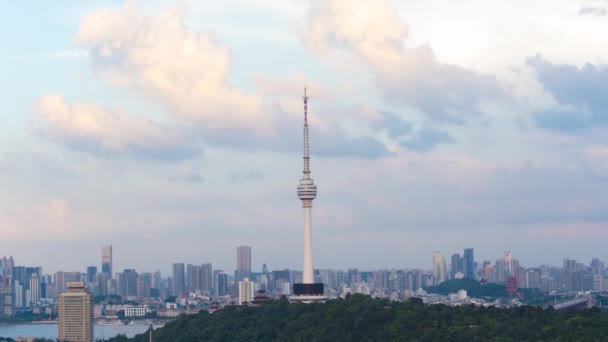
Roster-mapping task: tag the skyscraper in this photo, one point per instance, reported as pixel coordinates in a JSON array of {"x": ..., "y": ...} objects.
[
  {"x": 34, "y": 289},
  {"x": 243, "y": 263},
  {"x": 179, "y": 278},
  {"x": 7, "y": 300},
  {"x": 75, "y": 314},
  {"x": 222, "y": 284},
  {"x": 127, "y": 282},
  {"x": 206, "y": 277},
  {"x": 469, "y": 263},
  {"x": 438, "y": 268},
  {"x": 308, "y": 290},
  {"x": 457, "y": 265},
  {"x": 106, "y": 260},
  {"x": 91, "y": 272}
]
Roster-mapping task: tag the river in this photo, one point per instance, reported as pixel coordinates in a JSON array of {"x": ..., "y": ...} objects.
[{"x": 50, "y": 330}]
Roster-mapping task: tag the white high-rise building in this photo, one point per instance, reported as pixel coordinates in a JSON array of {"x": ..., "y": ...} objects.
[
  {"x": 34, "y": 289},
  {"x": 308, "y": 290},
  {"x": 438, "y": 268},
  {"x": 246, "y": 289}
]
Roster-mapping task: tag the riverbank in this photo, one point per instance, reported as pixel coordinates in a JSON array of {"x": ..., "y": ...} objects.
[{"x": 50, "y": 331}]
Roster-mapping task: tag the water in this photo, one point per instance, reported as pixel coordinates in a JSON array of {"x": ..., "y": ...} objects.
[{"x": 50, "y": 330}]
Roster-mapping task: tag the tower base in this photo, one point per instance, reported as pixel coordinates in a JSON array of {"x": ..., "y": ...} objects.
[{"x": 308, "y": 293}]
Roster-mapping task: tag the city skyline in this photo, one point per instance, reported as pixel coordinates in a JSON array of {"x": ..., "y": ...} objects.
[{"x": 171, "y": 131}]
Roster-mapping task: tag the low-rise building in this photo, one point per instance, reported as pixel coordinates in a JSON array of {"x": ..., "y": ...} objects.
[{"x": 136, "y": 310}]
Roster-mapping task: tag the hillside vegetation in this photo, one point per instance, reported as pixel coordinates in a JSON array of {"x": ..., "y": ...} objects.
[
  {"x": 361, "y": 318},
  {"x": 489, "y": 291}
]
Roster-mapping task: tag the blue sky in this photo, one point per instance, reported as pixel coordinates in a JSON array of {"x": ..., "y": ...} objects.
[{"x": 172, "y": 130}]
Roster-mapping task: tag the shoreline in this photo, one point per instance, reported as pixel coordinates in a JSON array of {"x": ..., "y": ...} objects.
[{"x": 28, "y": 322}]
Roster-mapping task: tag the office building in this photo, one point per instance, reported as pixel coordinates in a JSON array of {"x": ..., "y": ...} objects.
[
  {"x": 75, "y": 312},
  {"x": 243, "y": 263},
  {"x": 222, "y": 284},
  {"x": 468, "y": 262},
  {"x": 438, "y": 268},
  {"x": 456, "y": 265},
  {"x": 106, "y": 260},
  {"x": 91, "y": 272}
]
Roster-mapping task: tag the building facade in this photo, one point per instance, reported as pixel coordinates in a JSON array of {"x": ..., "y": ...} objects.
[
  {"x": 75, "y": 311},
  {"x": 246, "y": 290}
]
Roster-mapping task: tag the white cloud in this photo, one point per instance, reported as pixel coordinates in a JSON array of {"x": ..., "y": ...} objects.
[
  {"x": 373, "y": 33},
  {"x": 161, "y": 57},
  {"x": 99, "y": 130}
]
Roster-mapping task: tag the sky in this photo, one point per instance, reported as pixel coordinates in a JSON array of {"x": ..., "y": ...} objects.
[{"x": 173, "y": 131}]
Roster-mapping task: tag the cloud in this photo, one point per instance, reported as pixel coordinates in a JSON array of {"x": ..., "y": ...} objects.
[
  {"x": 394, "y": 125},
  {"x": 249, "y": 176},
  {"x": 584, "y": 90},
  {"x": 328, "y": 138},
  {"x": 160, "y": 57},
  {"x": 426, "y": 139},
  {"x": 373, "y": 33},
  {"x": 187, "y": 176},
  {"x": 595, "y": 11},
  {"x": 561, "y": 120},
  {"x": 108, "y": 132}
]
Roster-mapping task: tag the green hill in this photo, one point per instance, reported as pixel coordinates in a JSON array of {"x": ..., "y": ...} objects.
[{"x": 361, "y": 318}]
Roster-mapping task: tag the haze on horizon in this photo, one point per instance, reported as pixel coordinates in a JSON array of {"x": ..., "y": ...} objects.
[{"x": 172, "y": 130}]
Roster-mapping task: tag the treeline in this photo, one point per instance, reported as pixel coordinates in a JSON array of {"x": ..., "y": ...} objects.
[{"x": 362, "y": 318}]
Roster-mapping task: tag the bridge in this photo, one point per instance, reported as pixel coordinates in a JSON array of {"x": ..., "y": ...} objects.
[{"x": 571, "y": 303}]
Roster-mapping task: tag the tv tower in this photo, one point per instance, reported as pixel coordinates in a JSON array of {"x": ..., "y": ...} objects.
[{"x": 307, "y": 191}]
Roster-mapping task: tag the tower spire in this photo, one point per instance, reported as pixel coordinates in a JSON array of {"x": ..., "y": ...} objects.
[{"x": 306, "y": 147}]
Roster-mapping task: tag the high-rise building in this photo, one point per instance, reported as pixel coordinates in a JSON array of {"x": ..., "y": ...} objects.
[
  {"x": 106, "y": 260},
  {"x": 7, "y": 304},
  {"x": 34, "y": 289},
  {"x": 206, "y": 277},
  {"x": 456, "y": 265},
  {"x": 308, "y": 290},
  {"x": 243, "y": 263},
  {"x": 59, "y": 281},
  {"x": 438, "y": 268},
  {"x": 91, "y": 272},
  {"x": 468, "y": 263},
  {"x": 127, "y": 283},
  {"x": 190, "y": 278},
  {"x": 179, "y": 278},
  {"x": 246, "y": 288},
  {"x": 75, "y": 314},
  {"x": 194, "y": 279},
  {"x": 222, "y": 284}
]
